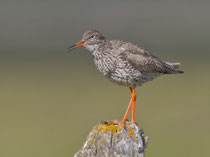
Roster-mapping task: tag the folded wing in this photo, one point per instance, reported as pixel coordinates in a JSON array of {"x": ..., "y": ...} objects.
[{"x": 147, "y": 63}]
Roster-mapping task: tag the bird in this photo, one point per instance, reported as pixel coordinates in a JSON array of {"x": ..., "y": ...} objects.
[{"x": 125, "y": 64}]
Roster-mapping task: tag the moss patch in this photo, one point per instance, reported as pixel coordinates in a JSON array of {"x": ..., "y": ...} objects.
[{"x": 112, "y": 128}]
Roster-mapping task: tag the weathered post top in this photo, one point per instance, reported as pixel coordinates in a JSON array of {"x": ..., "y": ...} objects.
[{"x": 114, "y": 141}]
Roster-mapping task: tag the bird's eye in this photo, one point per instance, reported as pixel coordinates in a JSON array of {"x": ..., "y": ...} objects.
[{"x": 92, "y": 36}]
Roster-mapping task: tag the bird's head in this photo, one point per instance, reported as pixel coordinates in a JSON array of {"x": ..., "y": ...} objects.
[{"x": 89, "y": 39}]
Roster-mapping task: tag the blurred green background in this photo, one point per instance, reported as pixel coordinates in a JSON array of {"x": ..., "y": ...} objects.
[{"x": 50, "y": 100}]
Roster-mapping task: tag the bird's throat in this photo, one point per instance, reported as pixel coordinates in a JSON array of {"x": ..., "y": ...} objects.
[
  {"x": 96, "y": 50},
  {"x": 92, "y": 48}
]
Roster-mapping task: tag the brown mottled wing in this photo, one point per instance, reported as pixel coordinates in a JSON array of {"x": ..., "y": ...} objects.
[{"x": 146, "y": 62}]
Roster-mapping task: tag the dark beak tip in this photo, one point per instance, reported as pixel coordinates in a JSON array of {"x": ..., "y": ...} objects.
[{"x": 70, "y": 48}]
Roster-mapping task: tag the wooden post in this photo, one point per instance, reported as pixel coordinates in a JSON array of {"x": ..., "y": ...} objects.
[{"x": 114, "y": 141}]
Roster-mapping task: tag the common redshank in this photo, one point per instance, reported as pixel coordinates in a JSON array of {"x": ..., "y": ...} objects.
[{"x": 124, "y": 63}]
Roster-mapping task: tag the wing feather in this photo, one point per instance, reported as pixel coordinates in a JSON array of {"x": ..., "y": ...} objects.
[{"x": 146, "y": 62}]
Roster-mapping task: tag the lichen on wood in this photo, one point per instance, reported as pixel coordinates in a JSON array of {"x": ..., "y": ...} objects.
[{"x": 114, "y": 141}]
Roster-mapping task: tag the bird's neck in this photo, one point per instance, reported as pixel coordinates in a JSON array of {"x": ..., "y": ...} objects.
[
  {"x": 102, "y": 56},
  {"x": 97, "y": 50}
]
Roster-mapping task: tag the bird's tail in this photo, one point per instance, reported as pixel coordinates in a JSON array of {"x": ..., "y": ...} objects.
[
  {"x": 175, "y": 65},
  {"x": 172, "y": 68}
]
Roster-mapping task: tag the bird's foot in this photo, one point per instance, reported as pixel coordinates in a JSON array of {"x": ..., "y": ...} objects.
[{"x": 117, "y": 123}]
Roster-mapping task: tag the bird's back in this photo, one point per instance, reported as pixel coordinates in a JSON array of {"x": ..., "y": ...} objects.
[{"x": 142, "y": 60}]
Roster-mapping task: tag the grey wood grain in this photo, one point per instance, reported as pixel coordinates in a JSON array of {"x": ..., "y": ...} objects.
[{"x": 114, "y": 141}]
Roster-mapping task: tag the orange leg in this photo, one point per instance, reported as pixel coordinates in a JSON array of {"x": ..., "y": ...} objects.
[
  {"x": 133, "y": 96},
  {"x": 127, "y": 112},
  {"x": 132, "y": 103},
  {"x": 125, "y": 116}
]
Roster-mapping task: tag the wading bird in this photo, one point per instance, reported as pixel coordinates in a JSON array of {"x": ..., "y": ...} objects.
[{"x": 124, "y": 63}]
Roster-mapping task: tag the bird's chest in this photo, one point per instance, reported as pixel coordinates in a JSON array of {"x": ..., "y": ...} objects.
[{"x": 105, "y": 65}]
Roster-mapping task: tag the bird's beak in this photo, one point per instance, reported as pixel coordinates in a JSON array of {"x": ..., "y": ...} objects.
[{"x": 79, "y": 44}]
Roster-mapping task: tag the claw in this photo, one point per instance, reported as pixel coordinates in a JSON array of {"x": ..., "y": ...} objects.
[{"x": 117, "y": 123}]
